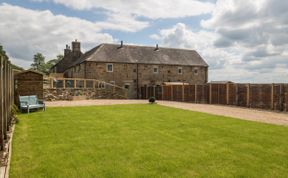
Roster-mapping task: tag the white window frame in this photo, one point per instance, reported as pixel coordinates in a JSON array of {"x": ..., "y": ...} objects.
[
  {"x": 180, "y": 68},
  {"x": 155, "y": 67},
  {"x": 107, "y": 68}
]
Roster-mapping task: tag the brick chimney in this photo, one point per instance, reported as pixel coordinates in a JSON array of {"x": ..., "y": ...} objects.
[
  {"x": 67, "y": 50},
  {"x": 76, "y": 46}
]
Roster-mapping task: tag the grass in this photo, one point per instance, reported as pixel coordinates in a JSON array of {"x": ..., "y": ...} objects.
[{"x": 145, "y": 141}]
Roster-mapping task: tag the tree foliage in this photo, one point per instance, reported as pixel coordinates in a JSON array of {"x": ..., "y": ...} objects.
[
  {"x": 40, "y": 65},
  {"x": 2, "y": 51}
]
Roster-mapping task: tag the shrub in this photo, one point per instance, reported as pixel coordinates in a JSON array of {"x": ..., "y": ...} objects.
[
  {"x": 14, "y": 111},
  {"x": 152, "y": 100}
]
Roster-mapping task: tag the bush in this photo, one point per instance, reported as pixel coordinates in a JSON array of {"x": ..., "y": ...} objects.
[
  {"x": 14, "y": 111},
  {"x": 152, "y": 100}
]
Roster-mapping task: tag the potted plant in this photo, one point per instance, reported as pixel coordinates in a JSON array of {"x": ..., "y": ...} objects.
[{"x": 152, "y": 100}]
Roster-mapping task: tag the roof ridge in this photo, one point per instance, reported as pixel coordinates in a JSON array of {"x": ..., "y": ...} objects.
[
  {"x": 130, "y": 45},
  {"x": 98, "y": 48}
]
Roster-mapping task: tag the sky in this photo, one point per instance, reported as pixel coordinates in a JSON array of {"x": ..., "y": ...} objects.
[{"x": 241, "y": 40}]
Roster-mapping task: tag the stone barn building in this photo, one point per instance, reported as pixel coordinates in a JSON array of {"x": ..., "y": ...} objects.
[{"x": 133, "y": 66}]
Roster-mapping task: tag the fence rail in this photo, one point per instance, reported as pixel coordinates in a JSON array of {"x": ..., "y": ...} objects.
[
  {"x": 6, "y": 98},
  {"x": 98, "y": 89},
  {"x": 263, "y": 96}
]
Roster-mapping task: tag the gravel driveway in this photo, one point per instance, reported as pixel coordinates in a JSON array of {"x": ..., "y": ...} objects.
[{"x": 236, "y": 112}]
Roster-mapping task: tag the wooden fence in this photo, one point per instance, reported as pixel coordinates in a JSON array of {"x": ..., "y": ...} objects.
[
  {"x": 263, "y": 96},
  {"x": 6, "y": 98}
]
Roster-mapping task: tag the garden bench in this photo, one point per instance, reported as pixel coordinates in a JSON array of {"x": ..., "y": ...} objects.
[{"x": 31, "y": 102}]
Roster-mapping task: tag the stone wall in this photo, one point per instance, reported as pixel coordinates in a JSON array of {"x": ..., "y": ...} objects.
[
  {"x": 125, "y": 75},
  {"x": 76, "y": 94}
]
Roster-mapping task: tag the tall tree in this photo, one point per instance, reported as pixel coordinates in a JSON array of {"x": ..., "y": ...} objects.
[
  {"x": 39, "y": 63},
  {"x": 2, "y": 51}
]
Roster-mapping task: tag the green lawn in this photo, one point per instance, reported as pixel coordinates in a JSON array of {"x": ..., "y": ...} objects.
[{"x": 145, "y": 141}]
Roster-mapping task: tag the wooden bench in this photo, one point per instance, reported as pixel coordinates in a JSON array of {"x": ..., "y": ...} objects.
[{"x": 31, "y": 102}]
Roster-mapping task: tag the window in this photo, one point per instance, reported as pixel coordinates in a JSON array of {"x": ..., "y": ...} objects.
[
  {"x": 155, "y": 70},
  {"x": 196, "y": 71},
  {"x": 101, "y": 85},
  {"x": 127, "y": 86},
  {"x": 180, "y": 70},
  {"x": 109, "y": 67}
]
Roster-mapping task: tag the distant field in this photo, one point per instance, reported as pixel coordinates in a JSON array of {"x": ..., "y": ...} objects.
[{"x": 145, "y": 141}]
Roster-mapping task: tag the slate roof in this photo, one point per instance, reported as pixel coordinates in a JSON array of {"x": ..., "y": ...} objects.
[{"x": 141, "y": 54}]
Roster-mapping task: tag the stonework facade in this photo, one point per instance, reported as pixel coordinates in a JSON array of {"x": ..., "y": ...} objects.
[
  {"x": 125, "y": 75},
  {"x": 135, "y": 66}
]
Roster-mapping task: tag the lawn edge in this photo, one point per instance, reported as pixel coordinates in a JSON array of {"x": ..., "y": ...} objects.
[{"x": 4, "y": 170}]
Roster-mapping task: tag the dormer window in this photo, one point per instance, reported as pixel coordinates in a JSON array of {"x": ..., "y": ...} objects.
[
  {"x": 109, "y": 68},
  {"x": 155, "y": 70}
]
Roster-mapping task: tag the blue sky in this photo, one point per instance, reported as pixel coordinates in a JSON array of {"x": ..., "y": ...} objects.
[{"x": 241, "y": 41}]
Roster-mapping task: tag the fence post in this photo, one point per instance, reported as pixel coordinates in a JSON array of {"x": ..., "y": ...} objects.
[
  {"x": 195, "y": 93},
  {"x": 75, "y": 83},
  {"x": 2, "y": 102},
  {"x": 281, "y": 98},
  {"x": 5, "y": 101},
  {"x": 146, "y": 92},
  {"x": 183, "y": 94},
  {"x": 85, "y": 83},
  {"x": 64, "y": 83},
  {"x": 51, "y": 83},
  {"x": 227, "y": 93},
  {"x": 248, "y": 95},
  {"x": 9, "y": 95},
  {"x": 210, "y": 93},
  {"x": 236, "y": 94},
  {"x": 272, "y": 96},
  {"x": 286, "y": 102},
  {"x": 162, "y": 87},
  {"x": 154, "y": 91},
  {"x": 171, "y": 92}
]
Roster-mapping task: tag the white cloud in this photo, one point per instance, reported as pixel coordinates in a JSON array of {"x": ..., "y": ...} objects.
[
  {"x": 123, "y": 15},
  {"x": 24, "y": 32},
  {"x": 227, "y": 63},
  {"x": 122, "y": 22},
  {"x": 180, "y": 36},
  {"x": 260, "y": 28},
  {"x": 149, "y": 8}
]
